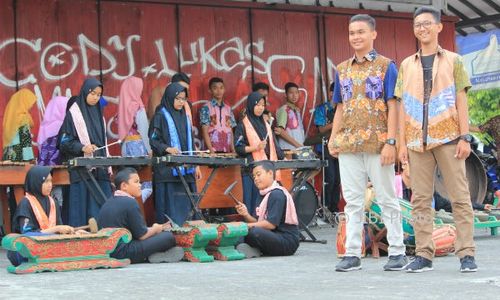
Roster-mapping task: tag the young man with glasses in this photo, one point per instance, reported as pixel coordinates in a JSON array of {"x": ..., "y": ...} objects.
[{"x": 434, "y": 131}]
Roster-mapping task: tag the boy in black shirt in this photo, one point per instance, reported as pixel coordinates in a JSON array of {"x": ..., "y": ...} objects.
[
  {"x": 274, "y": 230},
  {"x": 148, "y": 244}
]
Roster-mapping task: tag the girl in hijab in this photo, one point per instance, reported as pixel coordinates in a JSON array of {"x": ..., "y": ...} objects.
[
  {"x": 255, "y": 140},
  {"x": 133, "y": 125},
  {"x": 49, "y": 128},
  {"x": 170, "y": 132},
  {"x": 82, "y": 134},
  {"x": 48, "y": 154},
  {"x": 37, "y": 213},
  {"x": 17, "y": 123}
]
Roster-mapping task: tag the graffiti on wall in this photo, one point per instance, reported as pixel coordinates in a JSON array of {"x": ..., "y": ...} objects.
[{"x": 56, "y": 61}]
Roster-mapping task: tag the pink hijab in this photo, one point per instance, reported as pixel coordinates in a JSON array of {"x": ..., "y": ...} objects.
[
  {"x": 130, "y": 103},
  {"x": 52, "y": 118}
]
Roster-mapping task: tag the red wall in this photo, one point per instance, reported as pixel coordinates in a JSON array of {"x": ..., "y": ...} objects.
[{"x": 58, "y": 46}]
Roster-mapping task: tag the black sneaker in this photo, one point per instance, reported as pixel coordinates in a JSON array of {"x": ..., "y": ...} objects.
[
  {"x": 396, "y": 263},
  {"x": 419, "y": 265},
  {"x": 468, "y": 264},
  {"x": 348, "y": 263}
]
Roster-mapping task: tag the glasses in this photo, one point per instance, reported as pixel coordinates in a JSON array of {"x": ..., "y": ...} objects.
[
  {"x": 425, "y": 24},
  {"x": 181, "y": 99}
]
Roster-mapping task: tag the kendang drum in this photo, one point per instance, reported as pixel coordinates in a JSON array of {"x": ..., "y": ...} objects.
[{"x": 306, "y": 202}]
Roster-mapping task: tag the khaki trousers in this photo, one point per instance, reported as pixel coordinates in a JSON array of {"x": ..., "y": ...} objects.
[{"x": 423, "y": 167}]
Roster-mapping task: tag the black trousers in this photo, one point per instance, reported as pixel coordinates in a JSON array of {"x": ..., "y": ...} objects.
[
  {"x": 332, "y": 179},
  {"x": 270, "y": 243},
  {"x": 138, "y": 251}
]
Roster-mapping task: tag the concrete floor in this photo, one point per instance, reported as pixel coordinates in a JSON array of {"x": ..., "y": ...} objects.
[{"x": 307, "y": 275}]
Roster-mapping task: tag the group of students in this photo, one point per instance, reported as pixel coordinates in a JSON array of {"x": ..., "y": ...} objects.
[
  {"x": 423, "y": 106},
  {"x": 272, "y": 229},
  {"x": 80, "y": 131}
]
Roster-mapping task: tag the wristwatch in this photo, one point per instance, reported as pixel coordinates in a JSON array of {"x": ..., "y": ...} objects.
[
  {"x": 391, "y": 142},
  {"x": 466, "y": 137}
]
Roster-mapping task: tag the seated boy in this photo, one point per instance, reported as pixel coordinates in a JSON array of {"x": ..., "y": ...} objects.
[
  {"x": 274, "y": 229},
  {"x": 148, "y": 244}
]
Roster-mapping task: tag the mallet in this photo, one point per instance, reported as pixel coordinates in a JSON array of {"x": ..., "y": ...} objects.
[
  {"x": 171, "y": 222},
  {"x": 92, "y": 226},
  {"x": 228, "y": 192},
  {"x": 113, "y": 143}
]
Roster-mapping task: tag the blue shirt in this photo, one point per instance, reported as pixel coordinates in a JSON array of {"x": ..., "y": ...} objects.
[{"x": 323, "y": 114}]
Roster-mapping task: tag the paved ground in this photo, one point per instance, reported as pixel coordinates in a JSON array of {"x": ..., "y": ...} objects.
[{"x": 307, "y": 275}]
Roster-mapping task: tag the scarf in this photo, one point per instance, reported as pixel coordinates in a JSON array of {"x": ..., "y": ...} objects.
[
  {"x": 120, "y": 193},
  {"x": 179, "y": 125},
  {"x": 290, "y": 213},
  {"x": 35, "y": 178}
]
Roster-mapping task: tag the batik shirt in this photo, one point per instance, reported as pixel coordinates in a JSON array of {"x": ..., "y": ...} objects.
[
  {"x": 364, "y": 87},
  {"x": 220, "y": 121},
  {"x": 448, "y": 78}
]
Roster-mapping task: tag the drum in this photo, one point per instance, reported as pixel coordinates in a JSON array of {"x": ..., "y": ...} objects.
[
  {"x": 306, "y": 202},
  {"x": 476, "y": 176}
]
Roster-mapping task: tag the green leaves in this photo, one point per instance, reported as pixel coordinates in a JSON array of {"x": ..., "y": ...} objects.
[{"x": 483, "y": 105}]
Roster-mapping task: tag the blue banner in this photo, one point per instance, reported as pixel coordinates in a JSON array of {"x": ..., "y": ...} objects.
[{"x": 481, "y": 53}]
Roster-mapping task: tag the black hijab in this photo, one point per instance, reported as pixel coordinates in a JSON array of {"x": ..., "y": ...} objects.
[
  {"x": 70, "y": 102},
  {"x": 257, "y": 122},
  {"x": 92, "y": 114},
  {"x": 179, "y": 116},
  {"x": 35, "y": 177}
]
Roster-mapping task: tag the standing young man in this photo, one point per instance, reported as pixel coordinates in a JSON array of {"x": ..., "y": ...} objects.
[
  {"x": 363, "y": 138},
  {"x": 434, "y": 131},
  {"x": 217, "y": 120},
  {"x": 290, "y": 128}
]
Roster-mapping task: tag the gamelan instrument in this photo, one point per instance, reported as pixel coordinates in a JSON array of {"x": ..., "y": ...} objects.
[
  {"x": 66, "y": 252},
  {"x": 109, "y": 161}
]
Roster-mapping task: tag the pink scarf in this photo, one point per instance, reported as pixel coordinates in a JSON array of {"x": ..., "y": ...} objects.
[
  {"x": 81, "y": 130},
  {"x": 120, "y": 193},
  {"x": 290, "y": 214},
  {"x": 130, "y": 103},
  {"x": 52, "y": 119},
  {"x": 80, "y": 126}
]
